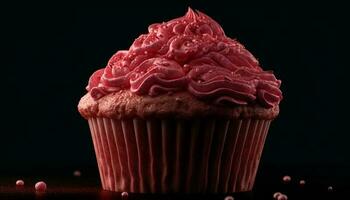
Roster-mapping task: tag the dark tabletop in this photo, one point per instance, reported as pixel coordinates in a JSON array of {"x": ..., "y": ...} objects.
[{"x": 62, "y": 184}]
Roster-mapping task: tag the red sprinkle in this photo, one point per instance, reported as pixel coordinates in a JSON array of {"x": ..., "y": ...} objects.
[
  {"x": 40, "y": 186},
  {"x": 19, "y": 183},
  {"x": 287, "y": 179}
]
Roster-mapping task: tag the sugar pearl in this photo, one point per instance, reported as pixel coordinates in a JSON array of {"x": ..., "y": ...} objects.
[
  {"x": 77, "y": 173},
  {"x": 282, "y": 197},
  {"x": 276, "y": 194},
  {"x": 19, "y": 183},
  {"x": 40, "y": 186},
  {"x": 330, "y": 188},
  {"x": 125, "y": 194},
  {"x": 287, "y": 179},
  {"x": 229, "y": 198}
]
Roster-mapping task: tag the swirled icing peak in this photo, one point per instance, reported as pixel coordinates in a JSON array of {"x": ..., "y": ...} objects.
[{"x": 190, "y": 53}]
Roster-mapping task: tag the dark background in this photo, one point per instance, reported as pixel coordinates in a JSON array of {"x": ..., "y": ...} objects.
[{"x": 52, "y": 49}]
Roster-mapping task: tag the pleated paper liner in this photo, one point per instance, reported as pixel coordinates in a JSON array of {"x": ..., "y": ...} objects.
[{"x": 178, "y": 156}]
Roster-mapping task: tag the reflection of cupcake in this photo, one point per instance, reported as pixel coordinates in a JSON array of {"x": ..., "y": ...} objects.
[{"x": 185, "y": 109}]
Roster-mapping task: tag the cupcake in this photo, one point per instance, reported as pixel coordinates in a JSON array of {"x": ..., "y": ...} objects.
[{"x": 185, "y": 110}]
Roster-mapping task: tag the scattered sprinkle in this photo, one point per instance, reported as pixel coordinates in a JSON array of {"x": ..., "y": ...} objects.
[
  {"x": 287, "y": 179},
  {"x": 40, "y": 186},
  {"x": 330, "y": 188},
  {"x": 276, "y": 194},
  {"x": 125, "y": 194},
  {"x": 282, "y": 197},
  {"x": 19, "y": 183},
  {"x": 229, "y": 198},
  {"x": 77, "y": 173},
  {"x": 302, "y": 182}
]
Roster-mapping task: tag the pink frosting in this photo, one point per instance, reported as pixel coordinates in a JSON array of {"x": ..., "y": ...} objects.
[{"x": 188, "y": 53}]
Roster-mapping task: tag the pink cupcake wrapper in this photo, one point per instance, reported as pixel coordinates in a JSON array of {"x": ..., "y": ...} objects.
[{"x": 183, "y": 156}]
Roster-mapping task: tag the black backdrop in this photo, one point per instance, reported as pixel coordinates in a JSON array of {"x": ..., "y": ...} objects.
[{"x": 52, "y": 49}]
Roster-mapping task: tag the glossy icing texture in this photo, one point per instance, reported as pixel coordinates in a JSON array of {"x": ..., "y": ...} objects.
[{"x": 192, "y": 54}]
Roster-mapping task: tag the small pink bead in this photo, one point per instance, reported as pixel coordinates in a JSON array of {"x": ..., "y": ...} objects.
[
  {"x": 276, "y": 194},
  {"x": 125, "y": 194},
  {"x": 302, "y": 182},
  {"x": 40, "y": 186},
  {"x": 19, "y": 183},
  {"x": 282, "y": 197},
  {"x": 287, "y": 179},
  {"x": 77, "y": 173},
  {"x": 229, "y": 198}
]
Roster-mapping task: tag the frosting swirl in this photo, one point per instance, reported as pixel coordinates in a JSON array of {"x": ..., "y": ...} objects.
[{"x": 190, "y": 53}]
